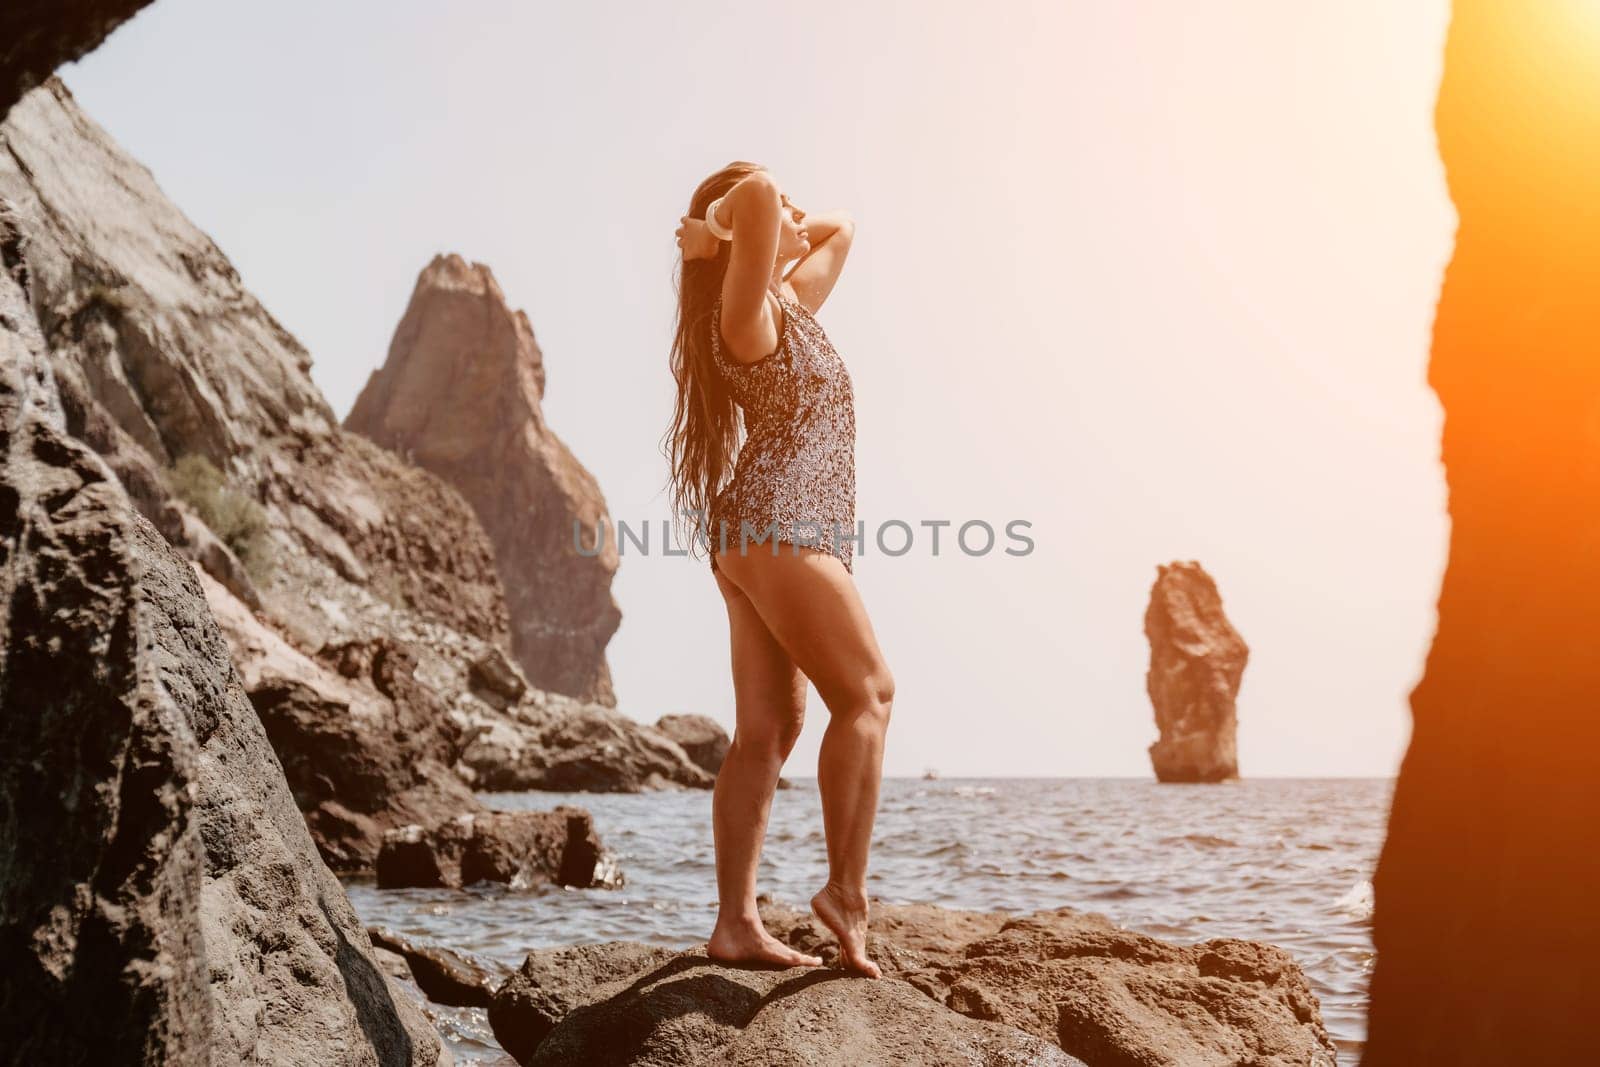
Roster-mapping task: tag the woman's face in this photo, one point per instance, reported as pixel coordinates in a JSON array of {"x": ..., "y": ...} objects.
[{"x": 792, "y": 239}]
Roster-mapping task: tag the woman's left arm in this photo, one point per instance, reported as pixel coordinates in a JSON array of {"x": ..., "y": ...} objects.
[{"x": 816, "y": 272}]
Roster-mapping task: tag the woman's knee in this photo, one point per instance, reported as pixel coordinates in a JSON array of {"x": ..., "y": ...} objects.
[
  {"x": 772, "y": 741},
  {"x": 872, "y": 700}
]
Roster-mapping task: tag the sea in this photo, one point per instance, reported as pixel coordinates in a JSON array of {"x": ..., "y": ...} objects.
[{"x": 1288, "y": 861}]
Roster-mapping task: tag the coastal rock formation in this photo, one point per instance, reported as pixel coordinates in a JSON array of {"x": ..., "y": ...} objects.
[
  {"x": 690, "y": 1010},
  {"x": 203, "y": 408},
  {"x": 1082, "y": 988},
  {"x": 365, "y": 747},
  {"x": 553, "y": 981},
  {"x": 550, "y": 742},
  {"x": 36, "y": 38},
  {"x": 461, "y": 394},
  {"x": 1196, "y": 661},
  {"x": 701, "y": 736},
  {"x": 160, "y": 886},
  {"x": 1485, "y": 890},
  {"x": 444, "y": 975},
  {"x": 517, "y": 847}
]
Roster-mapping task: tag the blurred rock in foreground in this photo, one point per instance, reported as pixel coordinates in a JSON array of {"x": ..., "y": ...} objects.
[{"x": 1484, "y": 919}]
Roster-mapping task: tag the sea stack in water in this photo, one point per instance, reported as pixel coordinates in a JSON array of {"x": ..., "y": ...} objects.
[
  {"x": 461, "y": 395},
  {"x": 1196, "y": 661}
]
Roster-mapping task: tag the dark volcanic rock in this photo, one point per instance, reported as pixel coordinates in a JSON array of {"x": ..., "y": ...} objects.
[
  {"x": 444, "y": 975},
  {"x": 163, "y": 901},
  {"x": 461, "y": 394},
  {"x": 1196, "y": 662},
  {"x": 1485, "y": 891},
  {"x": 517, "y": 847},
  {"x": 553, "y": 981},
  {"x": 701, "y": 736},
  {"x": 37, "y": 37}
]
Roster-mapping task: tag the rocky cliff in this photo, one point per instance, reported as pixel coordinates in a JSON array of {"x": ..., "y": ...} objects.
[
  {"x": 359, "y": 592},
  {"x": 1485, "y": 890},
  {"x": 161, "y": 900},
  {"x": 1196, "y": 661},
  {"x": 461, "y": 395}
]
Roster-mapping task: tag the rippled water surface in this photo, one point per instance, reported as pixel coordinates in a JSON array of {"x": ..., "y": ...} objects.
[{"x": 1288, "y": 861}]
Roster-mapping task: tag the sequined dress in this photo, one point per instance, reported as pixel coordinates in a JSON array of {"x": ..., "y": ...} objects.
[{"x": 795, "y": 471}]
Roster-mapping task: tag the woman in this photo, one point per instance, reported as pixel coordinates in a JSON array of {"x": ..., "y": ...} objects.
[{"x": 748, "y": 341}]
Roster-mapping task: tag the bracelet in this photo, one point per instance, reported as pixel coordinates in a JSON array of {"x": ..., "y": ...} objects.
[{"x": 718, "y": 231}]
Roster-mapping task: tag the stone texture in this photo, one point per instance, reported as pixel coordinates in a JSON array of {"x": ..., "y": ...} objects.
[
  {"x": 690, "y": 1010},
  {"x": 1081, "y": 987},
  {"x": 37, "y": 36},
  {"x": 521, "y": 848},
  {"x": 1485, "y": 891},
  {"x": 160, "y": 882},
  {"x": 1104, "y": 994},
  {"x": 701, "y": 736},
  {"x": 365, "y": 747},
  {"x": 461, "y": 394},
  {"x": 444, "y": 975},
  {"x": 1197, "y": 659},
  {"x": 553, "y": 981},
  {"x": 550, "y": 742}
]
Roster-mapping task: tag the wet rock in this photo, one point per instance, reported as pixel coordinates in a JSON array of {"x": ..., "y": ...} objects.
[
  {"x": 551, "y": 982},
  {"x": 520, "y": 848},
  {"x": 701, "y": 736},
  {"x": 443, "y": 974},
  {"x": 160, "y": 886},
  {"x": 461, "y": 395},
  {"x": 1196, "y": 662}
]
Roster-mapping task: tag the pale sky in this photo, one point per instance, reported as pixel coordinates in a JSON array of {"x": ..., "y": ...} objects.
[{"x": 1156, "y": 277}]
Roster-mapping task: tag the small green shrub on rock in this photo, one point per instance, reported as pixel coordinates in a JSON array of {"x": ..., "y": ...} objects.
[{"x": 233, "y": 516}]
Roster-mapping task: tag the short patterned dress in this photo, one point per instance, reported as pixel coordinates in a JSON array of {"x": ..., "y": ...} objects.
[{"x": 795, "y": 471}]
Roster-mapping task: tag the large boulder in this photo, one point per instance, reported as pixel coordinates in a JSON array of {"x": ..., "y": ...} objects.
[
  {"x": 461, "y": 394},
  {"x": 519, "y": 848},
  {"x": 553, "y": 981},
  {"x": 690, "y": 1010},
  {"x": 1079, "y": 985},
  {"x": 1484, "y": 919},
  {"x": 1197, "y": 659},
  {"x": 163, "y": 901},
  {"x": 1103, "y": 993},
  {"x": 701, "y": 736},
  {"x": 550, "y": 742}
]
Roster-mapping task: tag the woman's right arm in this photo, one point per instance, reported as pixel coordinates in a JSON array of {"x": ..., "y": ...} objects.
[{"x": 753, "y": 209}]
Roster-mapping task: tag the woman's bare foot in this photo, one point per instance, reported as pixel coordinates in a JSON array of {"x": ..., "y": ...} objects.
[
  {"x": 845, "y": 913},
  {"x": 746, "y": 943}
]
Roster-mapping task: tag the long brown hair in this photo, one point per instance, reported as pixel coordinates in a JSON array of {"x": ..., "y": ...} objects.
[{"x": 706, "y": 423}]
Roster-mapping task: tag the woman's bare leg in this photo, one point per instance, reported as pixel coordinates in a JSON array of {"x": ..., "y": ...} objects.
[
  {"x": 770, "y": 701},
  {"x": 810, "y": 605}
]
